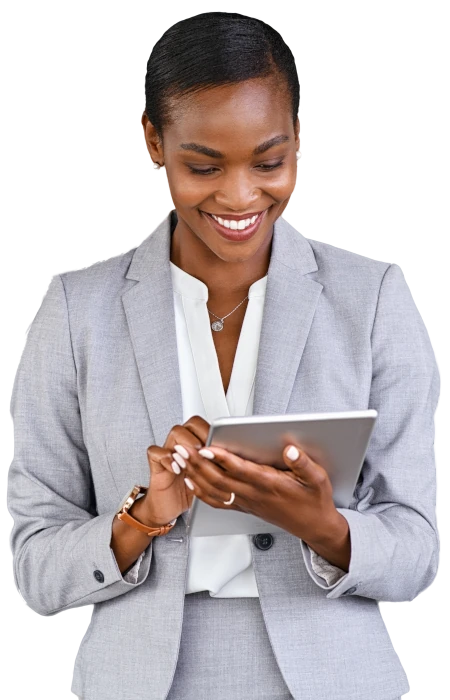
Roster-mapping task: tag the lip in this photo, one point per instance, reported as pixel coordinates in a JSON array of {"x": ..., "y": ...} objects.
[{"x": 236, "y": 235}]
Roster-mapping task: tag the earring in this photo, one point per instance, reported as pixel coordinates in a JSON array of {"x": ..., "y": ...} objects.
[
  {"x": 299, "y": 155},
  {"x": 156, "y": 166}
]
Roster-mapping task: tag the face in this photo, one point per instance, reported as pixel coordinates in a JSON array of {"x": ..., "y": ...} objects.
[{"x": 230, "y": 152}]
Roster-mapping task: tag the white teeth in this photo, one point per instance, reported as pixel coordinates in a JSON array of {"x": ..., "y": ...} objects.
[{"x": 233, "y": 224}]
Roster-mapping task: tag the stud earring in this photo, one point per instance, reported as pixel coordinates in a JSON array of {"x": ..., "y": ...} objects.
[
  {"x": 299, "y": 155},
  {"x": 156, "y": 166}
]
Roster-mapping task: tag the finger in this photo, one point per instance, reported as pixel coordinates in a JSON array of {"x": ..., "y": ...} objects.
[
  {"x": 167, "y": 458},
  {"x": 159, "y": 459},
  {"x": 199, "y": 427},
  {"x": 249, "y": 481},
  {"x": 210, "y": 478},
  {"x": 211, "y": 495},
  {"x": 305, "y": 469},
  {"x": 215, "y": 503},
  {"x": 179, "y": 437},
  {"x": 241, "y": 469}
]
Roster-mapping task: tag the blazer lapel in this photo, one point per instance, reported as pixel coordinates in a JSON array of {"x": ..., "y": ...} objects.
[
  {"x": 149, "y": 310},
  {"x": 289, "y": 308}
]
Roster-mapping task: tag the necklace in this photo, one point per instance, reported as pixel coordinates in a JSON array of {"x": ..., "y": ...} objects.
[{"x": 218, "y": 325}]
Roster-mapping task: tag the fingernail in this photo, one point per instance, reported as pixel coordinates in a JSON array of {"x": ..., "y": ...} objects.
[
  {"x": 176, "y": 468},
  {"x": 178, "y": 458},
  {"x": 292, "y": 453},
  {"x": 182, "y": 451},
  {"x": 206, "y": 453},
  {"x": 189, "y": 483}
]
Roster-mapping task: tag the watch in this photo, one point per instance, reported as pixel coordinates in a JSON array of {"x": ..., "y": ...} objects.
[{"x": 123, "y": 514}]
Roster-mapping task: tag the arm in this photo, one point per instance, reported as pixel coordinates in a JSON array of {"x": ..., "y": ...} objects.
[
  {"x": 392, "y": 520},
  {"x": 129, "y": 544},
  {"x": 62, "y": 553}
]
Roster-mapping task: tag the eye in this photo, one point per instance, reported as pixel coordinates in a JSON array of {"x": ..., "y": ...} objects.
[
  {"x": 262, "y": 166},
  {"x": 272, "y": 166},
  {"x": 201, "y": 172}
]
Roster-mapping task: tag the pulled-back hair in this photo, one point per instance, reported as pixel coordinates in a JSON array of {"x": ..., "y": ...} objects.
[{"x": 211, "y": 49}]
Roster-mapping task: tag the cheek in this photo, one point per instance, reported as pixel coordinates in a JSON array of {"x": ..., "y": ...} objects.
[
  {"x": 283, "y": 185},
  {"x": 187, "y": 189}
]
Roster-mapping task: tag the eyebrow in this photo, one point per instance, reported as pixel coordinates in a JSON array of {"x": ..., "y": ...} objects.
[{"x": 212, "y": 153}]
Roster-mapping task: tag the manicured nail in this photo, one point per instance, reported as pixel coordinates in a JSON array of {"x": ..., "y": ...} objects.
[
  {"x": 206, "y": 453},
  {"x": 182, "y": 451},
  {"x": 292, "y": 453},
  {"x": 178, "y": 458},
  {"x": 189, "y": 483},
  {"x": 176, "y": 468}
]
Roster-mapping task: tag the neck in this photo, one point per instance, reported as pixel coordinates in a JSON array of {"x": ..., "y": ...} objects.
[{"x": 227, "y": 282}]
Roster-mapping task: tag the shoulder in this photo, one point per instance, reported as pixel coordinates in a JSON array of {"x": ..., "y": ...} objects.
[
  {"x": 366, "y": 286},
  {"x": 357, "y": 287},
  {"x": 349, "y": 276},
  {"x": 352, "y": 283},
  {"x": 359, "y": 279},
  {"x": 98, "y": 284},
  {"x": 334, "y": 266},
  {"x": 338, "y": 263}
]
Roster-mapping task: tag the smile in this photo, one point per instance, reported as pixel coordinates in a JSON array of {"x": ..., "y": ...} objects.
[
  {"x": 235, "y": 225},
  {"x": 236, "y": 230}
]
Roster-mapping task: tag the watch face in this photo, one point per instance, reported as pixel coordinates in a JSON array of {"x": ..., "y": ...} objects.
[{"x": 125, "y": 498}]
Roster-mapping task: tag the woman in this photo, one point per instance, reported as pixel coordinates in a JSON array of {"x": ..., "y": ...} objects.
[{"x": 224, "y": 309}]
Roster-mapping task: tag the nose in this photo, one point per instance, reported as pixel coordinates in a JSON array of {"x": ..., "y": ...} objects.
[{"x": 238, "y": 192}]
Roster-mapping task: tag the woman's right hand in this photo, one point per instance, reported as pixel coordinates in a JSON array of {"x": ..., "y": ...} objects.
[{"x": 168, "y": 496}]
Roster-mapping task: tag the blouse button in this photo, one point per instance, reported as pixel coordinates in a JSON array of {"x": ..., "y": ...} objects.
[{"x": 263, "y": 541}]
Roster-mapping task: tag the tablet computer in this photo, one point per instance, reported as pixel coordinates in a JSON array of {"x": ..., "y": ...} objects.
[{"x": 337, "y": 441}]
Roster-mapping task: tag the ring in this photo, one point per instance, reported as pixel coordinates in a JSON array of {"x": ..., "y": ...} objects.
[{"x": 227, "y": 503}]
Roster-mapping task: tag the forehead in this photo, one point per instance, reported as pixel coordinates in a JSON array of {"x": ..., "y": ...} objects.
[{"x": 231, "y": 118}]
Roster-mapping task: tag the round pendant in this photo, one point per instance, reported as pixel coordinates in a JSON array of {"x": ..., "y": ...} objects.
[{"x": 217, "y": 325}]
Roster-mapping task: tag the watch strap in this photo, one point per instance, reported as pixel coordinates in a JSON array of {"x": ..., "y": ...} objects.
[
  {"x": 153, "y": 531},
  {"x": 125, "y": 516}
]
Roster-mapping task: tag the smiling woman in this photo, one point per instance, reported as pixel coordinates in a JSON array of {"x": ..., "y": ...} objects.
[
  {"x": 227, "y": 130},
  {"x": 246, "y": 165},
  {"x": 224, "y": 309},
  {"x": 234, "y": 168}
]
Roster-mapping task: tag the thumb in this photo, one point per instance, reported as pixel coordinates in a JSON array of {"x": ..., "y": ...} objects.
[{"x": 300, "y": 463}]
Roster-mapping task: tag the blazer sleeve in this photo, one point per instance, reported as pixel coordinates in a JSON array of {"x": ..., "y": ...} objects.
[
  {"x": 61, "y": 546},
  {"x": 395, "y": 543}
]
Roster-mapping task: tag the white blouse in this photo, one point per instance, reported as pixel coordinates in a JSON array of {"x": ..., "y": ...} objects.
[{"x": 220, "y": 564}]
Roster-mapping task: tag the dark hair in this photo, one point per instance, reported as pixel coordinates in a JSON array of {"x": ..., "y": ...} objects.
[{"x": 210, "y": 49}]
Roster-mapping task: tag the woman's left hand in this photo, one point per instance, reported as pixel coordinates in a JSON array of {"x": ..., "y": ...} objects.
[{"x": 299, "y": 500}]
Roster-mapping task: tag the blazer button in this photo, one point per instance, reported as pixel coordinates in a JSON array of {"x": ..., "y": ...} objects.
[
  {"x": 263, "y": 541},
  {"x": 99, "y": 576},
  {"x": 350, "y": 590}
]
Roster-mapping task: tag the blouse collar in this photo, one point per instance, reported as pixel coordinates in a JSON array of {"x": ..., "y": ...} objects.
[{"x": 193, "y": 288}]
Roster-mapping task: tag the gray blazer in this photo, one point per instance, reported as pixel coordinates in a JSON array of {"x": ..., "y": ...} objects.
[{"x": 98, "y": 382}]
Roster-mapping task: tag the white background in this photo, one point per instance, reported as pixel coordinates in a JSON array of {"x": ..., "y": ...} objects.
[{"x": 78, "y": 186}]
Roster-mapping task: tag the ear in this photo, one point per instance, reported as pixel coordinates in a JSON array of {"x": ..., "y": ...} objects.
[
  {"x": 152, "y": 140},
  {"x": 297, "y": 133}
]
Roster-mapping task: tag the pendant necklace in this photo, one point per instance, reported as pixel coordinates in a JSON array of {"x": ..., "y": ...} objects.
[{"x": 218, "y": 325}]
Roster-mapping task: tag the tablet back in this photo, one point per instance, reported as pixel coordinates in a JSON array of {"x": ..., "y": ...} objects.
[{"x": 337, "y": 441}]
